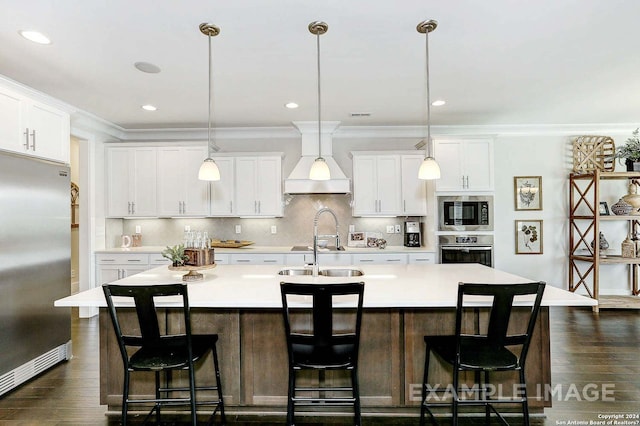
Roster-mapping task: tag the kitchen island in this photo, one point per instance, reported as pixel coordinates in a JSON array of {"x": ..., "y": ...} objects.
[{"x": 402, "y": 304}]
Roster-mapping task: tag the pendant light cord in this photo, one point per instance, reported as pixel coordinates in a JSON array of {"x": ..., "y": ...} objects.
[
  {"x": 428, "y": 94},
  {"x": 319, "y": 99},
  {"x": 209, "y": 105}
]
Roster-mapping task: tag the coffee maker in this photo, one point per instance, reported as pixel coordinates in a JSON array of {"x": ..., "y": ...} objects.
[{"x": 412, "y": 234}]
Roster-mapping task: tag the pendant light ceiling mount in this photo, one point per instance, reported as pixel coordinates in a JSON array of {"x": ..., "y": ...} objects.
[
  {"x": 425, "y": 26},
  {"x": 319, "y": 168},
  {"x": 209, "y": 169}
]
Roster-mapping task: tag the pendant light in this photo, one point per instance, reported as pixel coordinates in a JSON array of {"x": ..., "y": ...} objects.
[
  {"x": 429, "y": 169},
  {"x": 209, "y": 169},
  {"x": 319, "y": 168}
]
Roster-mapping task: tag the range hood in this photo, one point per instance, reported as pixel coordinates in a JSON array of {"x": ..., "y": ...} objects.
[{"x": 298, "y": 181}]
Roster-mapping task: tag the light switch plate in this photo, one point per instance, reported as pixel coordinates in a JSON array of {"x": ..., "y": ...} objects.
[
  {"x": 238, "y": 229},
  {"x": 274, "y": 229},
  {"x": 390, "y": 229}
]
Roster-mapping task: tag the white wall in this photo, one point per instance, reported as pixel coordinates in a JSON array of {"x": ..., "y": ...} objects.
[{"x": 549, "y": 156}]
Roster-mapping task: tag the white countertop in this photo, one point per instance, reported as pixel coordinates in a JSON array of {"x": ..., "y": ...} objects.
[
  {"x": 274, "y": 249},
  {"x": 386, "y": 286}
]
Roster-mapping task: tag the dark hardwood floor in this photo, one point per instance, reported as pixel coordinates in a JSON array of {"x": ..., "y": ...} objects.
[{"x": 591, "y": 354}]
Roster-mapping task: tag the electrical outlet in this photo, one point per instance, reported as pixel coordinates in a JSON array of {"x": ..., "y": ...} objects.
[
  {"x": 238, "y": 229},
  {"x": 398, "y": 229},
  {"x": 187, "y": 228},
  {"x": 138, "y": 229},
  {"x": 73, "y": 273},
  {"x": 274, "y": 229},
  {"x": 352, "y": 228},
  {"x": 390, "y": 229}
]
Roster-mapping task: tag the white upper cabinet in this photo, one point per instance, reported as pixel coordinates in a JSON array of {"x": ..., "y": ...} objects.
[
  {"x": 33, "y": 128},
  {"x": 465, "y": 164},
  {"x": 223, "y": 191},
  {"x": 180, "y": 192},
  {"x": 414, "y": 190},
  {"x": 131, "y": 182},
  {"x": 377, "y": 185},
  {"x": 258, "y": 186}
]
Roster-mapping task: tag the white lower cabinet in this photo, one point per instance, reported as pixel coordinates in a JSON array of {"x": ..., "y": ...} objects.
[{"x": 112, "y": 267}]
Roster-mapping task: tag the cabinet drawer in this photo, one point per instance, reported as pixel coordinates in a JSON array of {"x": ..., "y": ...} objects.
[
  {"x": 221, "y": 259},
  {"x": 256, "y": 259},
  {"x": 158, "y": 259},
  {"x": 379, "y": 259},
  {"x": 122, "y": 259},
  {"x": 427, "y": 258}
]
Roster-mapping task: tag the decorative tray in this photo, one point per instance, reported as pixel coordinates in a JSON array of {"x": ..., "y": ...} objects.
[
  {"x": 230, "y": 243},
  {"x": 192, "y": 274}
]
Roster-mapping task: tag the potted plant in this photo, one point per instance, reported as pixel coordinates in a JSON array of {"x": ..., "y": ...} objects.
[
  {"x": 630, "y": 151},
  {"x": 176, "y": 255}
]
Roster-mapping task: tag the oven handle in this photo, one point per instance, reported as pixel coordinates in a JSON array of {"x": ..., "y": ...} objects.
[{"x": 466, "y": 248}]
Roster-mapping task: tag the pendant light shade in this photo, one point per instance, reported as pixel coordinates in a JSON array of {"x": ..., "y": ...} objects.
[
  {"x": 209, "y": 169},
  {"x": 319, "y": 168},
  {"x": 429, "y": 169}
]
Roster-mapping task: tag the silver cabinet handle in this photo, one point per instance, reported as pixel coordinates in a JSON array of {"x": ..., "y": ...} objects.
[
  {"x": 255, "y": 206},
  {"x": 33, "y": 140},
  {"x": 133, "y": 207},
  {"x": 230, "y": 206},
  {"x": 269, "y": 261},
  {"x": 26, "y": 139},
  {"x": 259, "y": 207},
  {"x": 133, "y": 260},
  {"x": 366, "y": 260},
  {"x": 129, "y": 207},
  {"x": 393, "y": 260},
  {"x": 404, "y": 206},
  {"x": 242, "y": 260}
]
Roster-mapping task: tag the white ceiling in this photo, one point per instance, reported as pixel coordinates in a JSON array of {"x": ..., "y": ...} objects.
[{"x": 493, "y": 61}]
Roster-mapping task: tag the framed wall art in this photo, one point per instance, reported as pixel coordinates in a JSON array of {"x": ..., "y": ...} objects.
[
  {"x": 603, "y": 208},
  {"x": 528, "y": 192},
  {"x": 528, "y": 236}
]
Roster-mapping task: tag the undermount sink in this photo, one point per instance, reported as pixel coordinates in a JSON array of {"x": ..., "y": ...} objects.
[
  {"x": 341, "y": 272},
  {"x": 333, "y": 272},
  {"x": 295, "y": 271}
]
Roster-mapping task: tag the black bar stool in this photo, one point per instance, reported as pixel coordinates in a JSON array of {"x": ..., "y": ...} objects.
[
  {"x": 147, "y": 348},
  {"x": 323, "y": 333},
  {"x": 482, "y": 352}
]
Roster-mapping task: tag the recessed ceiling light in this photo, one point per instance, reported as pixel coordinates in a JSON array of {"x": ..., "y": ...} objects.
[
  {"x": 147, "y": 67},
  {"x": 439, "y": 102},
  {"x": 149, "y": 108},
  {"x": 291, "y": 105},
  {"x": 35, "y": 36}
]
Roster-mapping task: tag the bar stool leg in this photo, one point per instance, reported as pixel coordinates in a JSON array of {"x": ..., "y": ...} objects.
[{"x": 356, "y": 395}]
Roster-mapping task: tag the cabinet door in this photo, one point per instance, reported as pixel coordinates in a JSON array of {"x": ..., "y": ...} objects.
[
  {"x": 414, "y": 190},
  {"x": 388, "y": 183},
  {"x": 49, "y": 132},
  {"x": 223, "y": 191},
  {"x": 180, "y": 192},
  {"x": 196, "y": 191},
  {"x": 365, "y": 192},
  {"x": 131, "y": 182},
  {"x": 246, "y": 195},
  {"x": 171, "y": 185},
  {"x": 448, "y": 154},
  {"x": 143, "y": 181},
  {"x": 107, "y": 274},
  {"x": 478, "y": 164},
  {"x": 269, "y": 186},
  {"x": 12, "y": 137},
  {"x": 117, "y": 180}
]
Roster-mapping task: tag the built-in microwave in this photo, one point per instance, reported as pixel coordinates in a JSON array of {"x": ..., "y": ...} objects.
[{"x": 465, "y": 213}]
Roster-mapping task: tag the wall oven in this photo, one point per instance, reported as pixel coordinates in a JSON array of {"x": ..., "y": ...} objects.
[
  {"x": 465, "y": 213},
  {"x": 466, "y": 249}
]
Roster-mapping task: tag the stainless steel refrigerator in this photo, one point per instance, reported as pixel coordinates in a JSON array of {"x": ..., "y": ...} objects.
[{"x": 35, "y": 267}]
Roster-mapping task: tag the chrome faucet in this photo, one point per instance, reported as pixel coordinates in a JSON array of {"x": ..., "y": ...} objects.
[{"x": 316, "y": 236}]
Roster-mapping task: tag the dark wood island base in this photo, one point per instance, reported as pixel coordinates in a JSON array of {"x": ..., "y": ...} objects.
[{"x": 253, "y": 360}]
